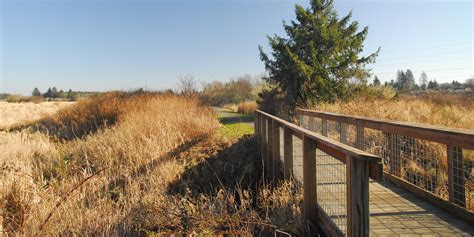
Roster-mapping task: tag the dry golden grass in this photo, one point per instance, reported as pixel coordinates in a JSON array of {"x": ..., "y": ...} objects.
[
  {"x": 231, "y": 107},
  {"x": 136, "y": 163},
  {"x": 436, "y": 109},
  {"x": 247, "y": 107},
  {"x": 18, "y": 113}
]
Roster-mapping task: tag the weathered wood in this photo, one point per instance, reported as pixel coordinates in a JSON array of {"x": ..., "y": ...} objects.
[
  {"x": 309, "y": 180},
  {"x": 457, "y": 192},
  {"x": 256, "y": 124},
  {"x": 288, "y": 152},
  {"x": 343, "y": 132},
  {"x": 430, "y": 197},
  {"x": 263, "y": 150},
  {"x": 446, "y": 135},
  {"x": 324, "y": 124},
  {"x": 327, "y": 226},
  {"x": 269, "y": 148},
  {"x": 325, "y": 143},
  {"x": 276, "y": 151},
  {"x": 357, "y": 180}
]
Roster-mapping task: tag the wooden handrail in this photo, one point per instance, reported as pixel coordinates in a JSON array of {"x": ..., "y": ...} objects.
[
  {"x": 357, "y": 163},
  {"x": 450, "y": 136},
  {"x": 455, "y": 140},
  {"x": 338, "y": 149}
]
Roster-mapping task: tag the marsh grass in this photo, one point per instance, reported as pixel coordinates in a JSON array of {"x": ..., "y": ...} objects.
[{"x": 130, "y": 163}]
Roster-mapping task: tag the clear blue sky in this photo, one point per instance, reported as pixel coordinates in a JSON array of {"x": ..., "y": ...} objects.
[{"x": 107, "y": 44}]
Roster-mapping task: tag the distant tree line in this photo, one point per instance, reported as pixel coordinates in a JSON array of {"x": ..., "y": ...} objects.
[
  {"x": 405, "y": 81},
  {"x": 54, "y": 93}
]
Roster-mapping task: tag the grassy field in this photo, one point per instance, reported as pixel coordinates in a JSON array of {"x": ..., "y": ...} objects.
[
  {"x": 452, "y": 110},
  {"x": 137, "y": 163},
  {"x": 17, "y": 113}
]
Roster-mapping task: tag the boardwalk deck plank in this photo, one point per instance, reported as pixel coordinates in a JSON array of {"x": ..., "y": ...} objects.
[{"x": 393, "y": 210}]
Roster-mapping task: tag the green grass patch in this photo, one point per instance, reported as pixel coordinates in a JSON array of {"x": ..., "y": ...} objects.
[{"x": 235, "y": 130}]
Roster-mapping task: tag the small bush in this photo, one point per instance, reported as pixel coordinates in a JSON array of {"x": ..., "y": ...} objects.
[{"x": 247, "y": 107}]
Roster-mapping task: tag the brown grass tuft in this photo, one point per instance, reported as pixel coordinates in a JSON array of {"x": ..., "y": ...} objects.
[{"x": 247, "y": 107}]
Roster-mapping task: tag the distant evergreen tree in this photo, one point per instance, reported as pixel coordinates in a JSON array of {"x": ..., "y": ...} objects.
[
  {"x": 36, "y": 92},
  {"x": 376, "y": 81},
  {"x": 433, "y": 85},
  {"x": 409, "y": 84},
  {"x": 400, "y": 81},
  {"x": 70, "y": 95},
  {"x": 48, "y": 93},
  {"x": 405, "y": 81},
  {"x": 54, "y": 93},
  {"x": 423, "y": 81},
  {"x": 455, "y": 84}
]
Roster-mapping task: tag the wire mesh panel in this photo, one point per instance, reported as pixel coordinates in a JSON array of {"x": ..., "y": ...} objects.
[
  {"x": 298, "y": 158},
  {"x": 334, "y": 130},
  {"x": 331, "y": 188},
  {"x": 463, "y": 177},
  {"x": 318, "y": 126}
]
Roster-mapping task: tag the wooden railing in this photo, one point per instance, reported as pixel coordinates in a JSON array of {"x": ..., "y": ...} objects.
[
  {"x": 417, "y": 157},
  {"x": 355, "y": 180}
]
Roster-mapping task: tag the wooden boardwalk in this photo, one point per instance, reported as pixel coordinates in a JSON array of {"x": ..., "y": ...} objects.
[{"x": 393, "y": 210}]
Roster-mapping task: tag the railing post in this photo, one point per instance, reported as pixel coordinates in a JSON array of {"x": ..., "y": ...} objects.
[
  {"x": 269, "y": 157},
  {"x": 357, "y": 181},
  {"x": 288, "y": 152},
  {"x": 256, "y": 125},
  {"x": 309, "y": 181},
  {"x": 343, "y": 132},
  {"x": 324, "y": 124},
  {"x": 276, "y": 151},
  {"x": 457, "y": 192},
  {"x": 263, "y": 148}
]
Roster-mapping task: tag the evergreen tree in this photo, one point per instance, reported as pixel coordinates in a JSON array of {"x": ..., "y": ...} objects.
[
  {"x": 36, "y": 92},
  {"x": 54, "y": 93},
  {"x": 400, "y": 81},
  {"x": 48, "y": 93},
  {"x": 433, "y": 85},
  {"x": 318, "y": 58},
  {"x": 376, "y": 81},
  {"x": 423, "y": 81},
  {"x": 409, "y": 81}
]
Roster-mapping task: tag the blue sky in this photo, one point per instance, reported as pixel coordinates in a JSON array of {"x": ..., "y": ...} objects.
[{"x": 124, "y": 44}]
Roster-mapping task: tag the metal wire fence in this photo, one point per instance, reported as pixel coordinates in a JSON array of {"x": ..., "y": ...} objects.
[
  {"x": 331, "y": 188},
  {"x": 422, "y": 163}
]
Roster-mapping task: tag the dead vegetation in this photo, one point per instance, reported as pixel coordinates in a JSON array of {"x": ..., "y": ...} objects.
[
  {"x": 135, "y": 163},
  {"x": 432, "y": 108}
]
